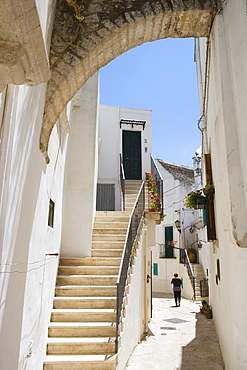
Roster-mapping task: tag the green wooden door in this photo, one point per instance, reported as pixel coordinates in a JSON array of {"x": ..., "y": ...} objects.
[
  {"x": 132, "y": 155},
  {"x": 168, "y": 240}
]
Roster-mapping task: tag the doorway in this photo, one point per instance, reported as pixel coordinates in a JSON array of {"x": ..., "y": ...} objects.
[{"x": 132, "y": 155}]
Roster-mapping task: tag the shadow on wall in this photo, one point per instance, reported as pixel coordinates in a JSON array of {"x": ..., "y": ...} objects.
[{"x": 204, "y": 349}]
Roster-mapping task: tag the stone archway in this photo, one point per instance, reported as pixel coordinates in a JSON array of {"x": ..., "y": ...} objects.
[{"x": 89, "y": 34}]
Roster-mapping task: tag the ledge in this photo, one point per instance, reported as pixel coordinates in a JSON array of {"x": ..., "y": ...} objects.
[
  {"x": 23, "y": 58},
  {"x": 156, "y": 216}
]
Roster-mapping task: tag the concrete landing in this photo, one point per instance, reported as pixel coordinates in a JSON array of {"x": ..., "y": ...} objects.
[{"x": 180, "y": 338}]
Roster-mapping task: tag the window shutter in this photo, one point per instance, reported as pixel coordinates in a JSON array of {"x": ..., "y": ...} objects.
[{"x": 211, "y": 229}]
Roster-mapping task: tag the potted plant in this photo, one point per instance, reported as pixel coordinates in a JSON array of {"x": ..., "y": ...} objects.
[
  {"x": 209, "y": 312},
  {"x": 154, "y": 201},
  {"x": 203, "y": 306},
  {"x": 206, "y": 309},
  {"x": 191, "y": 254},
  {"x": 208, "y": 189},
  {"x": 195, "y": 199}
]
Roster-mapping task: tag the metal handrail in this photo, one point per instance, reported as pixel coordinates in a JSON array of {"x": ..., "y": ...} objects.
[
  {"x": 190, "y": 271},
  {"x": 122, "y": 180},
  {"x": 159, "y": 181},
  {"x": 134, "y": 223}
]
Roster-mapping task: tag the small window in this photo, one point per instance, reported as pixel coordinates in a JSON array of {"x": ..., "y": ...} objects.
[
  {"x": 155, "y": 268},
  {"x": 218, "y": 268},
  {"x": 51, "y": 214}
]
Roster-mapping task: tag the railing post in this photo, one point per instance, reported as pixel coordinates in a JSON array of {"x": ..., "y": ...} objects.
[
  {"x": 117, "y": 319},
  {"x": 122, "y": 180}
]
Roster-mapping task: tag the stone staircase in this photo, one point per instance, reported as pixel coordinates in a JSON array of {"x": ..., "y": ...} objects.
[
  {"x": 132, "y": 188},
  {"x": 82, "y": 330},
  {"x": 199, "y": 275}
]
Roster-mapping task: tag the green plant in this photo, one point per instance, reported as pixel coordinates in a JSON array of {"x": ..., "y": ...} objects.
[
  {"x": 154, "y": 203},
  {"x": 208, "y": 186},
  {"x": 190, "y": 201},
  {"x": 208, "y": 310}
]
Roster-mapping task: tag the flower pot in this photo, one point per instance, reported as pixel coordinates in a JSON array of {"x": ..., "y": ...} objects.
[
  {"x": 208, "y": 191},
  {"x": 200, "y": 203},
  {"x": 192, "y": 256}
]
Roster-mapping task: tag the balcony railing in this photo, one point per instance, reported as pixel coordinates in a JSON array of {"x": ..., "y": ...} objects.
[
  {"x": 159, "y": 182},
  {"x": 134, "y": 223}
]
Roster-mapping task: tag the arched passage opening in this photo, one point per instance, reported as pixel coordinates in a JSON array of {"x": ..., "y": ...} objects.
[{"x": 84, "y": 42}]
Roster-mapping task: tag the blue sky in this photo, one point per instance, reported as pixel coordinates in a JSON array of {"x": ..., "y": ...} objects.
[{"x": 159, "y": 76}]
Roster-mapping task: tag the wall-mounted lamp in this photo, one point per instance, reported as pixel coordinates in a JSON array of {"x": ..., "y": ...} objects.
[
  {"x": 178, "y": 225},
  {"x": 197, "y": 164},
  {"x": 191, "y": 230},
  {"x": 199, "y": 244}
]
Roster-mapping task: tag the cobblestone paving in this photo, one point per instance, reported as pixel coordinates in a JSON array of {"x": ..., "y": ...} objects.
[{"x": 179, "y": 338}]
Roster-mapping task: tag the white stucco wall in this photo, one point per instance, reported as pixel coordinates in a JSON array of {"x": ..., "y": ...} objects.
[
  {"x": 225, "y": 138},
  {"x": 27, "y": 184},
  {"x": 81, "y": 172},
  {"x": 138, "y": 303},
  {"x": 110, "y": 143}
]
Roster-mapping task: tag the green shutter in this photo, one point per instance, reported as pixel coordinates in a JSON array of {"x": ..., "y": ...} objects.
[
  {"x": 155, "y": 268},
  {"x": 204, "y": 213},
  {"x": 168, "y": 238}
]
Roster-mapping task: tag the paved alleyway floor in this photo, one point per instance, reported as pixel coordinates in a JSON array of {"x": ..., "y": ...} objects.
[{"x": 179, "y": 338}]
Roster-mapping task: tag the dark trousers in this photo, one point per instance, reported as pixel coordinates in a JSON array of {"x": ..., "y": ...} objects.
[{"x": 177, "y": 297}]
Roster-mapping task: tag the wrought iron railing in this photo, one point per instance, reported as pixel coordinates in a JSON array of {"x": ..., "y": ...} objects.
[
  {"x": 190, "y": 271},
  {"x": 134, "y": 223},
  {"x": 159, "y": 181},
  {"x": 122, "y": 181}
]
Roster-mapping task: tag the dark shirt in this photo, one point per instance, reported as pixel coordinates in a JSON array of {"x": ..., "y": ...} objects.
[{"x": 176, "y": 284}]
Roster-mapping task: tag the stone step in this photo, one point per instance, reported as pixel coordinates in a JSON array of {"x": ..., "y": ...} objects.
[
  {"x": 88, "y": 270},
  {"x": 108, "y": 245},
  {"x": 89, "y": 329},
  {"x": 90, "y": 261},
  {"x": 107, "y": 252},
  {"x": 107, "y": 219},
  {"x": 132, "y": 190},
  {"x": 86, "y": 302},
  {"x": 113, "y": 214},
  {"x": 111, "y": 224},
  {"x": 109, "y": 237},
  {"x": 80, "y": 315},
  {"x": 110, "y": 231},
  {"x": 80, "y": 346},
  {"x": 86, "y": 280},
  {"x": 86, "y": 291},
  {"x": 86, "y": 362}
]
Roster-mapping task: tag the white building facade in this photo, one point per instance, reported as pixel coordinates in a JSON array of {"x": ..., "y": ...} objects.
[
  {"x": 222, "y": 79},
  {"x": 178, "y": 181}
]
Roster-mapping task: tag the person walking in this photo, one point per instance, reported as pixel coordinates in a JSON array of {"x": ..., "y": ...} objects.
[{"x": 177, "y": 283}]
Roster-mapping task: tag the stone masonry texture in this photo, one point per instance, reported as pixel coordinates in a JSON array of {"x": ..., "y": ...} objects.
[{"x": 88, "y": 34}]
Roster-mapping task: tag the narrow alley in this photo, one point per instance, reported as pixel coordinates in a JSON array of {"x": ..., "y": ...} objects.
[{"x": 179, "y": 338}]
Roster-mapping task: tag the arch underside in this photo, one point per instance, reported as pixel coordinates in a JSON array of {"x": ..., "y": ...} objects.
[{"x": 81, "y": 47}]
